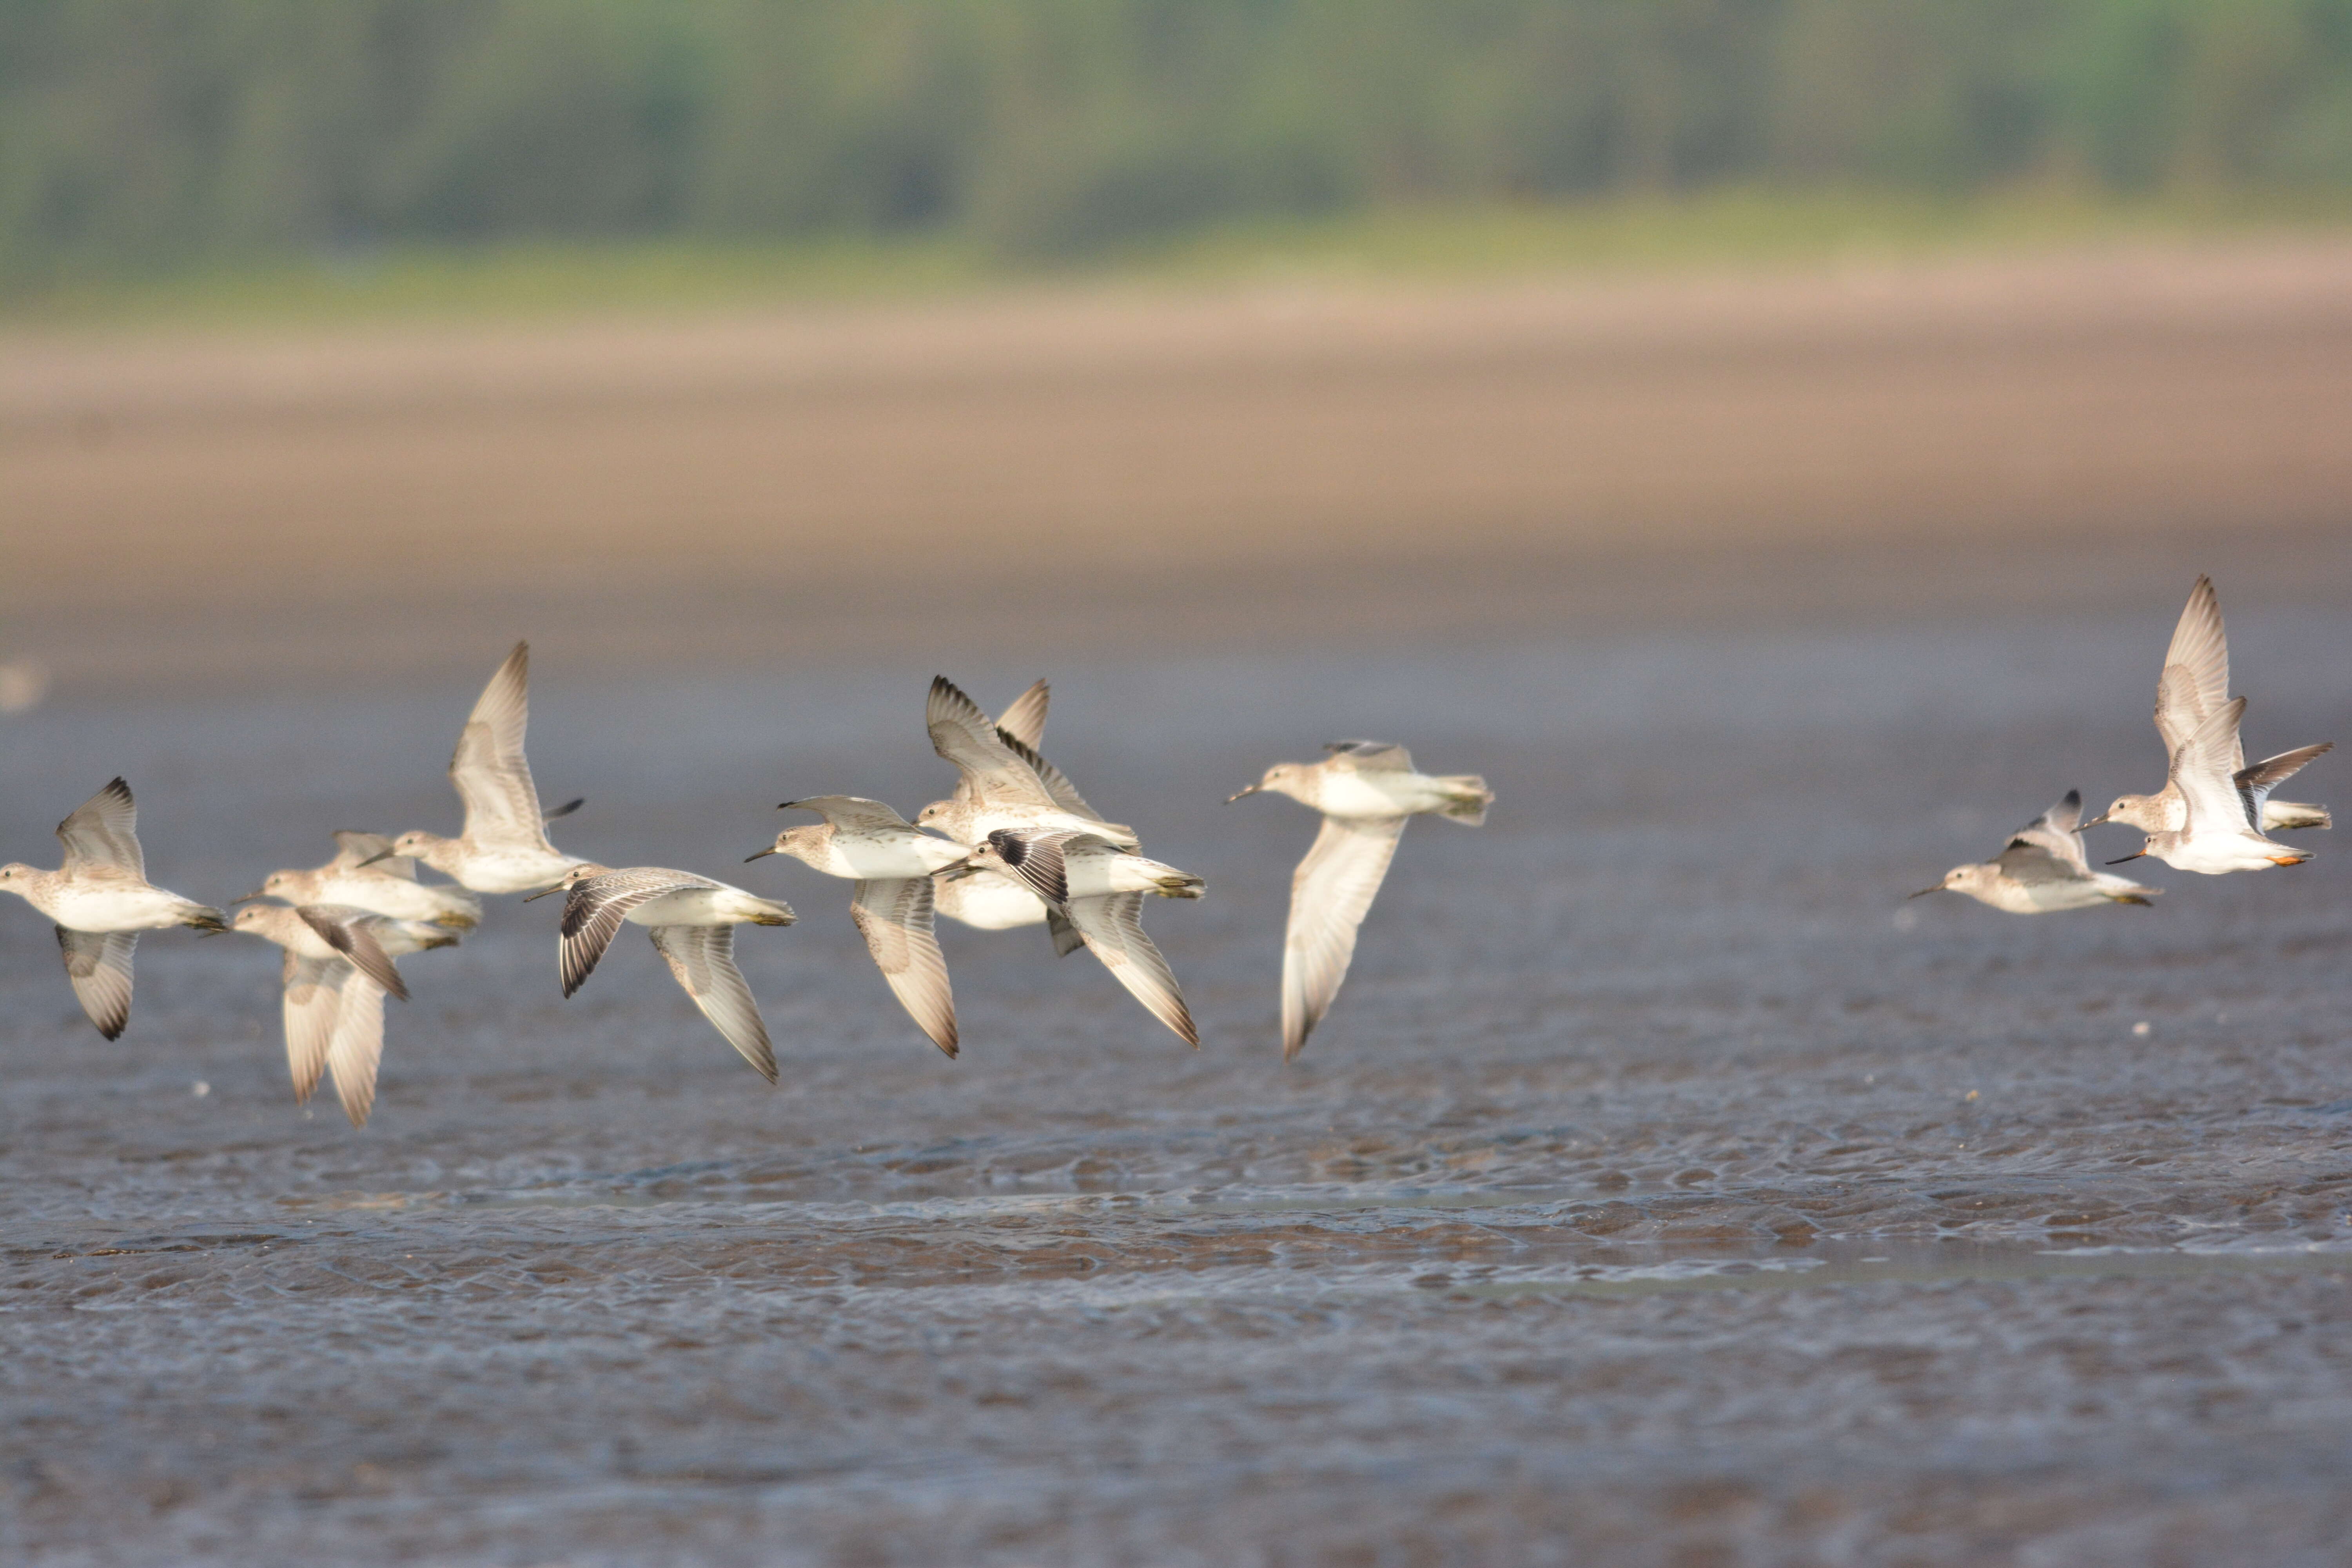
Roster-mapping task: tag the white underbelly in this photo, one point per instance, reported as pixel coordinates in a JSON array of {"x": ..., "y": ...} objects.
[
  {"x": 2215, "y": 855},
  {"x": 136, "y": 906},
  {"x": 395, "y": 896},
  {"x": 687, "y": 906},
  {"x": 1352, "y": 796},
  {"x": 512, "y": 870},
  {"x": 879, "y": 862},
  {"x": 990, "y": 903}
]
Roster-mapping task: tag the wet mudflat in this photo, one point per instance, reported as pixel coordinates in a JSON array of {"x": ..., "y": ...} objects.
[{"x": 1664, "y": 1187}]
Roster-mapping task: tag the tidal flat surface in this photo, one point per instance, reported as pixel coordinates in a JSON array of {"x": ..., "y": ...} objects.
[{"x": 1665, "y": 1189}]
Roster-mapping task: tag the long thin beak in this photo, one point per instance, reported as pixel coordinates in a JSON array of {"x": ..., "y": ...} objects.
[
  {"x": 248, "y": 897},
  {"x": 1923, "y": 892},
  {"x": 1252, "y": 789},
  {"x": 957, "y": 872},
  {"x": 2127, "y": 858},
  {"x": 770, "y": 849},
  {"x": 381, "y": 855},
  {"x": 2092, "y": 823},
  {"x": 559, "y": 887}
]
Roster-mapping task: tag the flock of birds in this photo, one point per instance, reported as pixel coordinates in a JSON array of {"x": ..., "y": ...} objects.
[
  {"x": 1015, "y": 844},
  {"x": 2212, "y": 815}
]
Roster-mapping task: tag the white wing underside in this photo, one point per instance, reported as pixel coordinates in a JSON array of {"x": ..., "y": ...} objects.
[
  {"x": 895, "y": 917},
  {"x": 313, "y": 1001},
  {"x": 1113, "y": 929},
  {"x": 358, "y": 1046},
  {"x": 1330, "y": 895},
  {"x": 703, "y": 960},
  {"x": 334, "y": 1023},
  {"x": 99, "y": 965},
  {"x": 2205, "y": 771},
  {"x": 489, "y": 770},
  {"x": 2195, "y": 680}
]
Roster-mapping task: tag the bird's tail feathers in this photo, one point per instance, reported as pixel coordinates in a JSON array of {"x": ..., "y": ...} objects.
[
  {"x": 2286, "y": 816},
  {"x": 1466, "y": 799}
]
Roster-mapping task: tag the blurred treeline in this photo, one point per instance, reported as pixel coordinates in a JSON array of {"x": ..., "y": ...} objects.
[{"x": 151, "y": 133}]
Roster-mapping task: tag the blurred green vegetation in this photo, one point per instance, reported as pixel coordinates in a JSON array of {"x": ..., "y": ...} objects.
[{"x": 422, "y": 150}]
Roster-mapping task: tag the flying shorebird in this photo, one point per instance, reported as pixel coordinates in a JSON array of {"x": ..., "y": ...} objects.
[
  {"x": 504, "y": 846},
  {"x": 2195, "y": 685},
  {"x": 1099, "y": 888},
  {"x": 338, "y": 971},
  {"x": 994, "y": 903},
  {"x": 1365, "y": 790},
  {"x": 2043, "y": 869},
  {"x": 891, "y": 862},
  {"x": 1004, "y": 783},
  {"x": 366, "y": 874},
  {"x": 692, "y": 920},
  {"x": 2222, "y": 808},
  {"x": 100, "y": 900}
]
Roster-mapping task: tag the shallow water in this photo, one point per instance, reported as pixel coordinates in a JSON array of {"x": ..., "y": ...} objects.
[{"x": 1664, "y": 1187}]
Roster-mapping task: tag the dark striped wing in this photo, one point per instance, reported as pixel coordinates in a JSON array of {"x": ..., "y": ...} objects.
[
  {"x": 595, "y": 910},
  {"x": 98, "y": 965}
]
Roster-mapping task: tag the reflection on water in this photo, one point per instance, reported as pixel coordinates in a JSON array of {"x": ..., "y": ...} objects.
[{"x": 1652, "y": 1191}]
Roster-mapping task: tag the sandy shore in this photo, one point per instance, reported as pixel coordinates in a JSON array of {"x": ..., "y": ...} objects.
[{"x": 1256, "y": 463}]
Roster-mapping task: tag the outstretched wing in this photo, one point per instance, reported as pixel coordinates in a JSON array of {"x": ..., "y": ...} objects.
[
  {"x": 895, "y": 918},
  {"x": 1370, "y": 756},
  {"x": 703, "y": 960},
  {"x": 352, "y": 932},
  {"x": 1026, "y": 720},
  {"x": 848, "y": 811},
  {"x": 2206, "y": 766},
  {"x": 491, "y": 774},
  {"x": 1329, "y": 894},
  {"x": 2054, "y": 833},
  {"x": 964, "y": 735},
  {"x": 373, "y": 850},
  {"x": 357, "y": 1047},
  {"x": 2195, "y": 680},
  {"x": 1058, "y": 783},
  {"x": 1037, "y": 859},
  {"x": 2031, "y": 862},
  {"x": 98, "y": 965},
  {"x": 313, "y": 1001},
  {"x": 2256, "y": 784},
  {"x": 1113, "y": 929},
  {"x": 593, "y": 911},
  {"x": 102, "y": 834}
]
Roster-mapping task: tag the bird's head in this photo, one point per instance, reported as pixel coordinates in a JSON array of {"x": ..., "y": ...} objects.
[
  {"x": 800, "y": 843},
  {"x": 1283, "y": 778},
  {"x": 2138, "y": 810}
]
